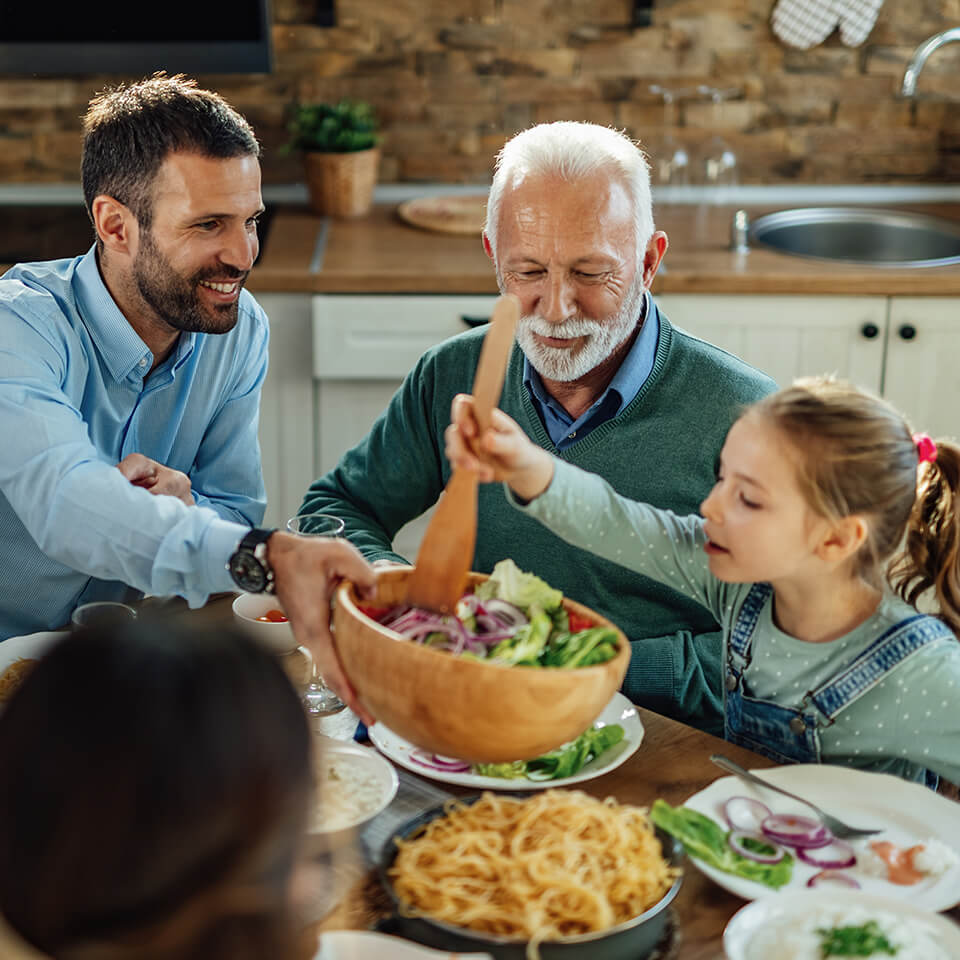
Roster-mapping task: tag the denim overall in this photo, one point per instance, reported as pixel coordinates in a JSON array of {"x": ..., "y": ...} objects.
[{"x": 790, "y": 735}]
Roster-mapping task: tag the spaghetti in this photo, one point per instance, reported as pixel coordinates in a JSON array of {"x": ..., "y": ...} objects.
[{"x": 556, "y": 865}]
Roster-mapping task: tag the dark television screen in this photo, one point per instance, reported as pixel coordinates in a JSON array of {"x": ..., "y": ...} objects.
[{"x": 189, "y": 36}]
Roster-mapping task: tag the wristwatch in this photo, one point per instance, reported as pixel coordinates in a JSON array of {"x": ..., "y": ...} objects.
[{"x": 249, "y": 567}]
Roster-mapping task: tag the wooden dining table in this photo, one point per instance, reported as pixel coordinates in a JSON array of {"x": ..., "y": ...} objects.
[{"x": 673, "y": 763}]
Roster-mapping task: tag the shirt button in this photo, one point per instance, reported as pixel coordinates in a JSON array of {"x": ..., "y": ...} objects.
[
  {"x": 572, "y": 435},
  {"x": 143, "y": 362}
]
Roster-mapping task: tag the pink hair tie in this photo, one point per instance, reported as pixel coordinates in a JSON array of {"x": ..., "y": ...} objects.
[{"x": 926, "y": 448}]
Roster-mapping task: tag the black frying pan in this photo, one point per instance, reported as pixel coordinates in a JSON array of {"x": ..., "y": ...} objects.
[{"x": 633, "y": 940}]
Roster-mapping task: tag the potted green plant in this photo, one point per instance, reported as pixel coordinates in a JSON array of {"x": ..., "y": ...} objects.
[{"x": 340, "y": 155}]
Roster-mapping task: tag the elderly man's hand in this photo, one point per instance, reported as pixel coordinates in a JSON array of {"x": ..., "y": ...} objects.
[
  {"x": 143, "y": 472},
  {"x": 504, "y": 452},
  {"x": 306, "y": 571}
]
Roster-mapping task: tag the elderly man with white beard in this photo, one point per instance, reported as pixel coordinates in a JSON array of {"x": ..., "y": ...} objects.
[{"x": 599, "y": 377}]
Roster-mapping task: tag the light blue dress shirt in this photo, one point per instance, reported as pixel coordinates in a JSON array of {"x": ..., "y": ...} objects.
[
  {"x": 564, "y": 431},
  {"x": 74, "y": 401}
]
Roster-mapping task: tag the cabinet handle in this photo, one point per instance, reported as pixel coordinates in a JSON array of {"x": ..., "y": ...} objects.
[
  {"x": 870, "y": 331},
  {"x": 907, "y": 332},
  {"x": 474, "y": 321}
]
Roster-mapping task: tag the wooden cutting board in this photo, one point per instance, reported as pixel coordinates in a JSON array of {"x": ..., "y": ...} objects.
[{"x": 454, "y": 214}]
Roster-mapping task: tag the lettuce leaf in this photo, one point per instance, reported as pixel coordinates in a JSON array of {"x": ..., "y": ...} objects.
[
  {"x": 704, "y": 838},
  {"x": 508, "y": 582}
]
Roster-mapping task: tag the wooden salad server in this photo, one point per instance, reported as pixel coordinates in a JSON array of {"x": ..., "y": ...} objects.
[{"x": 446, "y": 551}]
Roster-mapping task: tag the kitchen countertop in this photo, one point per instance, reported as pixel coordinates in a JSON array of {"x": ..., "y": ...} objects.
[{"x": 379, "y": 253}]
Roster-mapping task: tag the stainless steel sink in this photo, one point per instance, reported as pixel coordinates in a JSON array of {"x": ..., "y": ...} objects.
[{"x": 882, "y": 238}]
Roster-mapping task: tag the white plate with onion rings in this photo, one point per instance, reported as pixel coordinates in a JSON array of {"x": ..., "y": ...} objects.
[
  {"x": 450, "y": 770},
  {"x": 906, "y": 813}
]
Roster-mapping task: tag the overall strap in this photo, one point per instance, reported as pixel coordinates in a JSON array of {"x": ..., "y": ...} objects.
[
  {"x": 741, "y": 636},
  {"x": 889, "y": 650}
]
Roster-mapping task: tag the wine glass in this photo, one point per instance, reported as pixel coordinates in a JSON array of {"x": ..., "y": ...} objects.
[
  {"x": 671, "y": 162},
  {"x": 719, "y": 172},
  {"x": 319, "y": 700}
]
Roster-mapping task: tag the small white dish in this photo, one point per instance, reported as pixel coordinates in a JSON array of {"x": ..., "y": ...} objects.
[
  {"x": 273, "y": 637},
  {"x": 618, "y": 710},
  {"x": 362, "y": 778},
  {"x": 365, "y": 945},
  {"x": 777, "y": 915}
]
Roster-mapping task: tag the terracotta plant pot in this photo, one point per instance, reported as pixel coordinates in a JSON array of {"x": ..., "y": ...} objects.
[
  {"x": 472, "y": 709},
  {"x": 341, "y": 184}
]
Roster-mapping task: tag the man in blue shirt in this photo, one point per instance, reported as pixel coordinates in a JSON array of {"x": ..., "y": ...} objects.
[{"x": 130, "y": 383}]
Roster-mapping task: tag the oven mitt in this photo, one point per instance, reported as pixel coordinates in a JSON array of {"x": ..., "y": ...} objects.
[
  {"x": 857, "y": 18},
  {"x": 805, "y": 23}
]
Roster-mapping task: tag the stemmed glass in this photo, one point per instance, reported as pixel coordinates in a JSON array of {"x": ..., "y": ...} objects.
[
  {"x": 719, "y": 170},
  {"x": 671, "y": 162},
  {"x": 319, "y": 700}
]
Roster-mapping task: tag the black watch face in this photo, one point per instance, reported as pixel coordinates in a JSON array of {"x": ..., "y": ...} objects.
[{"x": 248, "y": 572}]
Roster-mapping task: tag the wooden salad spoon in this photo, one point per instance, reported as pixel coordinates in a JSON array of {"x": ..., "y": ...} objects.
[{"x": 446, "y": 552}]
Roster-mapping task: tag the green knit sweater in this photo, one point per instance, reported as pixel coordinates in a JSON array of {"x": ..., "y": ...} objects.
[{"x": 661, "y": 449}]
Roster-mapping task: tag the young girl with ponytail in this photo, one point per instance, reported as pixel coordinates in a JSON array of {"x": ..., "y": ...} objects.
[{"x": 828, "y": 522}]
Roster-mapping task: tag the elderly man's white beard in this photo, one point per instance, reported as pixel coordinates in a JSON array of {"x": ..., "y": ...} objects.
[{"x": 602, "y": 337}]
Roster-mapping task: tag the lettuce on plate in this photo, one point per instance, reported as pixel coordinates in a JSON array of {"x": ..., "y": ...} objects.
[
  {"x": 704, "y": 838},
  {"x": 565, "y": 761}
]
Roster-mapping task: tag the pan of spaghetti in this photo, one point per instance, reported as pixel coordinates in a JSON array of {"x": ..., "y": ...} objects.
[{"x": 553, "y": 876}]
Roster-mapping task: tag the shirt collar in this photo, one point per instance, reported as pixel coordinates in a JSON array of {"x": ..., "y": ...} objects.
[
  {"x": 119, "y": 344},
  {"x": 630, "y": 375}
]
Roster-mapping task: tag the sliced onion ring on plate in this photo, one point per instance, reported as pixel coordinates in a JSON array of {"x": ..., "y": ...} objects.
[
  {"x": 437, "y": 762},
  {"x": 833, "y": 876},
  {"x": 795, "y": 831},
  {"x": 745, "y": 813},
  {"x": 833, "y": 856},
  {"x": 736, "y": 842}
]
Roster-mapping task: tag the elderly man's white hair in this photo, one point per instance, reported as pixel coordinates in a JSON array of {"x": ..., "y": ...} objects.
[{"x": 573, "y": 151}]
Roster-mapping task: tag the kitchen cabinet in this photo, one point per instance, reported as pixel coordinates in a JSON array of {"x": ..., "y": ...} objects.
[
  {"x": 901, "y": 347},
  {"x": 922, "y": 372},
  {"x": 287, "y": 413},
  {"x": 789, "y": 337},
  {"x": 363, "y": 347}
]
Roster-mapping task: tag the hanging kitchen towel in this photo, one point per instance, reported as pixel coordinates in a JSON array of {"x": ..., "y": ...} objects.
[
  {"x": 805, "y": 23},
  {"x": 857, "y": 18}
]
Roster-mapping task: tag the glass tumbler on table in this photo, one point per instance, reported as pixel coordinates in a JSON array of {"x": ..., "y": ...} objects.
[{"x": 319, "y": 700}]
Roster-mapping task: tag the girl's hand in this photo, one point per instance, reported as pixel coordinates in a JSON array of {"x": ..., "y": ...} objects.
[{"x": 503, "y": 453}]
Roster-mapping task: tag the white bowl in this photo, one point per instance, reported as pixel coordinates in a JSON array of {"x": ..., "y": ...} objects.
[
  {"x": 273, "y": 637},
  {"x": 364, "y": 786},
  {"x": 365, "y": 945}
]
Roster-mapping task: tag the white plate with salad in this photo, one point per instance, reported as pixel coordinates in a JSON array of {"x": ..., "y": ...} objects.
[
  {"x": 620, "y": 711},
  {"x": 908, "y": 815}
]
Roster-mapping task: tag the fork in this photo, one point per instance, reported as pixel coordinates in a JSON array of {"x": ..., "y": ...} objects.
[{"x": 841, "y": 830}]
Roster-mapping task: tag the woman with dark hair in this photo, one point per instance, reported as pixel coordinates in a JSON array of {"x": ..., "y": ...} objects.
[{"x": 154, "y": 785}]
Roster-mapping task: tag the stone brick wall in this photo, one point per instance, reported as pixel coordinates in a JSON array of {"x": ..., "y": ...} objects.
[{"x": 451, "y": 79}]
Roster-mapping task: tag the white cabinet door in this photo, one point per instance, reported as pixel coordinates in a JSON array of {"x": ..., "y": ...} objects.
[
  {"x": 790, "y": 336},
  {"x": 286, "y": 406},
  {"x": 923, "y": 363}
]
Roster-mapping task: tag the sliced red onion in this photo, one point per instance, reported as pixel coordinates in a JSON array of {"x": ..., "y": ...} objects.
[
  {"x": 834, "y": 856},
  {"x": 831, "y": 876},
  {"x": 794, "y": 831},
  {"x": 745, "y": 813},
  {"x": 436, "y": 762},
  {"x": 737, "y": 837},
  {"x": 506, "y": 613}
]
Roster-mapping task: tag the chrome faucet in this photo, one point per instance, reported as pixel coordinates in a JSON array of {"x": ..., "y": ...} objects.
[{"x": 920, "y": 55}]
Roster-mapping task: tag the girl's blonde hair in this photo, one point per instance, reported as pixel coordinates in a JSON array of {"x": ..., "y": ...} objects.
[{"x": 856, "y": 455}]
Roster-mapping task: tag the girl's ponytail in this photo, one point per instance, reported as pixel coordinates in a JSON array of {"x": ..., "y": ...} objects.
[{"x": 931, "y": 553}]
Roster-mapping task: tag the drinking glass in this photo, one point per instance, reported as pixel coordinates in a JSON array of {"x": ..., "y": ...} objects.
[
  {"x": 671, "y": 161},
  {"x": 102, "y": 613},
  {"x": 719, "y": 160},
  {"x": 319, "y": 700}
]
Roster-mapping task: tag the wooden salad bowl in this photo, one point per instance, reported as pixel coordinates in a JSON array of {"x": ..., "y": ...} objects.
[{"x": 458, "y": 707}]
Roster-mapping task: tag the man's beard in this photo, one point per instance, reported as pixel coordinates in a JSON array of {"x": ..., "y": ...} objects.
[
  {"x": 176, "y": 299},
  {"x": 602, "y": 337}
]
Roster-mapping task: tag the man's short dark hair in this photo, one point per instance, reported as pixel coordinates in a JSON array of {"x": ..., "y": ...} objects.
[{"x": 129, "y": 130}]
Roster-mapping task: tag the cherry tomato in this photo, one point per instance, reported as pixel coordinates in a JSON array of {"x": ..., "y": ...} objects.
[
  {"x": 273, "y": 616},
  {"x": 374, "y": 613},
  {"x": 578, "y": 623}
]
